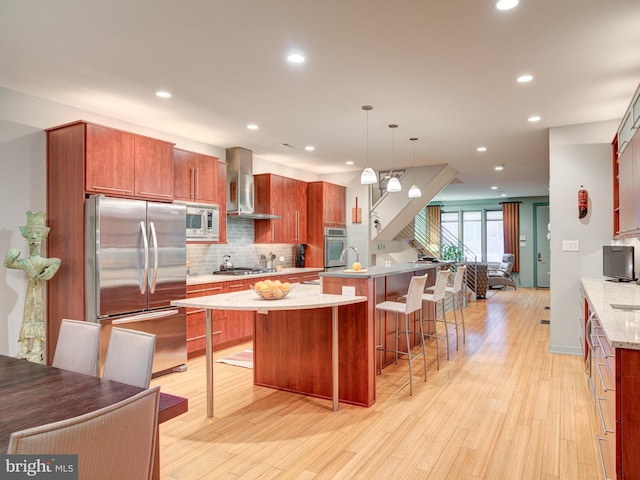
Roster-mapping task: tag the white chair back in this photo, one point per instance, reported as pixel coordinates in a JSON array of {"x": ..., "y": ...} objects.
[
  {"x": 440, "y": 288},
  {"x": 457, "y": 280},
  {"x": 78, "y": 347},
  {"x": 129, "y": 357},
  {"x": 117, "y": 441},
  {"x": 414, "y": 295}
]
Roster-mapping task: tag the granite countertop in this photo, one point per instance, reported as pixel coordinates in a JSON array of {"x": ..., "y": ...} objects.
[
  {"x": 300, "y": 297},
  {"x": 200, "y": 279},
  {"x": 622, "y": 327},
  {"x": 381, "y": 271}
]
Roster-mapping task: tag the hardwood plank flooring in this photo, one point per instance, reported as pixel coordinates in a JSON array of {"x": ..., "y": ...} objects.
[{"x": 502, "y": 407}]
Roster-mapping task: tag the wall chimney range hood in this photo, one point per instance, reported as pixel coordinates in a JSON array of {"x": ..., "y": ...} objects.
[{"x": 240, "y": 185}]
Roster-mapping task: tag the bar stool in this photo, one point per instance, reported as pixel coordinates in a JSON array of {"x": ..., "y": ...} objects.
[
  {"x": 457, "y": 301},
  {"x": 413, "y": 303},
  {"x": 437, "y": 295}
]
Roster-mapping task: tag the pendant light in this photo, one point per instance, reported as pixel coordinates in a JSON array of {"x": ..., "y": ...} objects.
[
  {"x": 368, "y": 176},
  {"x": 394, "y": 184},
  {"x": 414, "y": 191}
]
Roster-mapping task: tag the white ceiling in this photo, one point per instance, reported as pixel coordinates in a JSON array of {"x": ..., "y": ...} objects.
[{"x": 443, "y": 71}]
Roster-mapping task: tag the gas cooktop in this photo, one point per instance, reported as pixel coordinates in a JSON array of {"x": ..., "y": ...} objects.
[{"x": 244, "y": 271}]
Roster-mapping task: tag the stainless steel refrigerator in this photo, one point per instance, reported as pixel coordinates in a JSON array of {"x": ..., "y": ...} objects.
[{"x": 136, "y": 265}]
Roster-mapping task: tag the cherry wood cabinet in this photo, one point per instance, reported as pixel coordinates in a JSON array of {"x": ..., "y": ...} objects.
[
  {"x": 228, "y": 327},
  {"x": 222, "y": 200},
  {"x": 124, "y": 164},
  {"x": 196, "y": 329},
  {"x": 86, "y": 158},
  {"x": 626, "y": 173},
  {"x": 326, "y": 208},
  {"x": 287, "y": 198},
  {"x": 196, "y": 177},
  {"x": 613, "y": 375}
]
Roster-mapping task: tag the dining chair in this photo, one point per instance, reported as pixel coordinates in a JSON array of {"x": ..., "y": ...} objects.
[
  {"x": 129, "y": 357},
  {"x": 78, "y": 347},
  {"x": 117, "y": 441},
  {"x": 457, "y": 301},
  {"x": 433, "y": 298},
  {"x": 412, "y": 304}
]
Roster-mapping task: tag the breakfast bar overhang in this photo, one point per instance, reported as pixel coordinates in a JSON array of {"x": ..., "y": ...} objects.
[{"x": 284, "y": 331}]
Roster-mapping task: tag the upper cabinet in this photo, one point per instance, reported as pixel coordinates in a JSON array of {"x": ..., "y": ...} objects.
[
  {"x": 626, "y": 173},
  {"x": 124, "y": 164},
  {"x": 287, "y": 198},
  {"x": 222, "y": 200},
  {"x": 326, "y": 208},
  {"x": 327, "y": 202},
  {"x": 196, "y": 177}
]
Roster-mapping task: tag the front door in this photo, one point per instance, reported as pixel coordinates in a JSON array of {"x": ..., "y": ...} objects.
[{"x": 542, "y": 247}]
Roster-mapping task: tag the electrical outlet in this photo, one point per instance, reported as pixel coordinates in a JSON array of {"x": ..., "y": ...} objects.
[
  {"x": 282, "y": 259},
  {"x": 348, "y": 291},
  {"x": 570, "y": 246}
]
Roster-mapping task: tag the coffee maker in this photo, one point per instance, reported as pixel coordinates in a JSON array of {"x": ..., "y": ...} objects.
[{"x": 298, "y": 255}]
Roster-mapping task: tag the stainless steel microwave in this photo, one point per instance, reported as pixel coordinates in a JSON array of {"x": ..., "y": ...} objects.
[{"x": 203, "y": 222}]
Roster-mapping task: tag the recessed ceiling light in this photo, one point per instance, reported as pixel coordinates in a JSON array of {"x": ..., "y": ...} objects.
[
  {"x": 494, "y": 188},
  {"x": 163, "y": 94},
  {"x": 309, "y": 148},
  {"x": 524, "y": 78},
  {"x": 295, "y": 58},
  {"x": 506, "y": 4},
  {"x": 481, "y": 149},
  {"x": 503, "y": 194},
  {"x": 534, "y": 118},
  {"x": 349, "y": 162},
  {"x": 252, "y": 126},
  {"x": 499, "y": 167}
]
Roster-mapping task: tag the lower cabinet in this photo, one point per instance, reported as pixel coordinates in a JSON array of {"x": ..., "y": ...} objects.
[
  {"x": 614, "y": 373},
  {"x": 604, "y": 394},
  {"x": 228, "y": 327}
]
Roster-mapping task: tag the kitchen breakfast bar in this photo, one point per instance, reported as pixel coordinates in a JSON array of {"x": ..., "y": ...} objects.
[{"x": 320, "y": 340}]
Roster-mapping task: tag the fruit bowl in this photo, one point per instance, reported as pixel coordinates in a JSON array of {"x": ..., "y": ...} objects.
[{"x": 269, "y": 290}]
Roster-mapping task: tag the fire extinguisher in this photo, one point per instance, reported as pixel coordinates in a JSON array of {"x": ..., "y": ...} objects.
[{"x": 583, "y": 201}]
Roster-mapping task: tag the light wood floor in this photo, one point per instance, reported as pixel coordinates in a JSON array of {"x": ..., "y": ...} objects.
[{"x": 501, "y": 408}]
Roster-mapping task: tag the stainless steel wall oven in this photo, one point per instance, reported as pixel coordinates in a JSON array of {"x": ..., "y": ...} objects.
[{"x": 335, "y": 240}]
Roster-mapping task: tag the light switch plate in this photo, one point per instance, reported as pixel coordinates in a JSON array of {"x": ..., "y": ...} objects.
[
  {"x": 570, "y": 246},
  {"x": 348, "y": 291}
]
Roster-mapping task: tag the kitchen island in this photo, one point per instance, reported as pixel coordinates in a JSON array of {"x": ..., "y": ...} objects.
[
  {"x": 378, "y": 284},
  {"x": 295, "y": 338}
]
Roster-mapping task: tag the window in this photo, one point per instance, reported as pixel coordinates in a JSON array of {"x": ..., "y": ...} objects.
[
  {"x": 495, "y": 236},
  {"x": 449, "y": 222},
  {"x": 481, "y": 233},
  {"x": 472, "y": 235}
]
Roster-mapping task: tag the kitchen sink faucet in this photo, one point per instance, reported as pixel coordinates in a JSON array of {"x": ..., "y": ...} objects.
[{"x": 344, "y": 253}]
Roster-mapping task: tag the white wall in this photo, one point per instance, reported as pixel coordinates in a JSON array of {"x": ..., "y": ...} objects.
[{"x": 579, "y": 157}]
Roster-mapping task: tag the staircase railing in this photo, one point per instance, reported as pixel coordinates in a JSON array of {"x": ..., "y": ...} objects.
[{"x": 426, "y": 237}]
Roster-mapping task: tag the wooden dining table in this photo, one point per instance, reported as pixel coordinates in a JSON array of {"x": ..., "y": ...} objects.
[{"x": 32, "y": 394}]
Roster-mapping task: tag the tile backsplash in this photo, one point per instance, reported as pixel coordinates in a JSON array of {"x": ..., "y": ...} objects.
[{"x": 206, "y": 258}]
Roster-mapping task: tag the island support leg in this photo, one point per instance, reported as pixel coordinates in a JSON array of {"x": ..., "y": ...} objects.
[
  {"x": 209, "y": 355},
  {"x": 334, "y": 357}
]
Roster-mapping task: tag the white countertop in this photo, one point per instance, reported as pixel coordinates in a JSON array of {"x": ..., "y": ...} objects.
[
  {"x": 621, "y": 327},
  {"x": 300, "y": 297},
  {"x": 199, "y": 279}
]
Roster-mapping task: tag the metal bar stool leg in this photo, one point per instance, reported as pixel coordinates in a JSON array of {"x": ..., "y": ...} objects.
[{"x": 446, "y": 329}]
